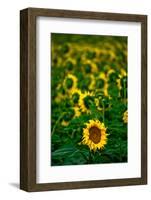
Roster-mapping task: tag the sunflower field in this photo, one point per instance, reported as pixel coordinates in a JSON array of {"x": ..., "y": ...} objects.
[{"x": 88, "y": 99}]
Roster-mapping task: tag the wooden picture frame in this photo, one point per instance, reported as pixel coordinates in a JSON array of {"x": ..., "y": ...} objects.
[{"x": 28, "y": 98}]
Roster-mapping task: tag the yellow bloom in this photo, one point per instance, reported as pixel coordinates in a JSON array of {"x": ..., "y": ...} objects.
[
  {"x": 103, "y": 83},
  {"x": 69, "y": 63},
  {"x": 77, "y": 112},
  {"x": 97, "y": 103},
  {"x": 84, "y": 101},
  {"x": 75, "y": 95},
  {"x": 123, "y": 73},
  {"x": 118, "y": 81},
  {"x": 70, "y": 82},
  {"x": 92, "y": 65},
  {"x": 64, "y": 123},
  {"x": 94, "y": 135},
  {"x": 92, "y": 84},
  {"x": 125, "y": 116},
  {"x": 110, "y": 71}
]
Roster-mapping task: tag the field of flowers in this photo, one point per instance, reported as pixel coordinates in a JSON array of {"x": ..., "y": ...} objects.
[{"x": 88, "y": 99}]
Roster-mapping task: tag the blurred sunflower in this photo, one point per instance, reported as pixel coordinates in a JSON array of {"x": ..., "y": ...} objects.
[
  {"x": 101, "y": 83},
  {"x": 92, "y": 83},
  {"x": 70, "y": 82},
  {"x": 90, "y": 66},
  {"x": 85, "y": 101},
  {"x": 77, "y": 112},
  {"x": 75, "y": 95},
  {"x": 97, "y": 103},
  {"x": 69, "y": 64},
  {"x": 71, "y": 114},
  {"x": 94, "y": 135},
  {"x": 125, "y": 117},
  {"x": 123, "y": 72}
]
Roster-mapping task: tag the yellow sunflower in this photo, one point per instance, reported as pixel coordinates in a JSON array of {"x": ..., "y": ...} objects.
[
  {"x": 90, "y": 66},
  {"x": 102, "y": 83},
  {"x": 125, "y": 116},
  {"x": 97, "y": 103},
  {"x": 75, "y": 95},
  {"x": 70, "y": 82},
  {"x": 73, "y": 112},
  {"x": 69, "y": 63},
  {"x": 77, "y": 112},
  {"x": 92, "y": 83},
  {"x": 64, "y": 123},
  {"x": 94, "y": 135},
  {"x": 85, "y": 101},
  {"x": 123, "y": 72}
]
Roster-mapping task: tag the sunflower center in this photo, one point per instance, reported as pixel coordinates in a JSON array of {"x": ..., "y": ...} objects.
[{"x": 95, "y": 134}]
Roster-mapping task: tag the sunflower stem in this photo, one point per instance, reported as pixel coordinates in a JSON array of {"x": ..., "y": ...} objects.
[
  {"x": 58, "y": 120},
  {"x": 90, "y": 157},
  {"x": 124, "y": 92},
  {"x": 103, "y": 113}
]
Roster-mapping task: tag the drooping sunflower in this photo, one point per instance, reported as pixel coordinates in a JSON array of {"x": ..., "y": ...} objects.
[
  {"x": 85, "y": 101},
  {"x": 102, "y": 84},
  {"x": 92, "y": 83},
  {"x": 71, "y": 114},
  {"x": 125, "y": 117},
  {"x": 77, "y": 112},
  {"x": 70, "y": 82},
  {"x": 75, "y": 95},
  {"x": 94, "y": 135},
  {"x": 69, "y": 64},
  {"x": 90, "y": 66}
]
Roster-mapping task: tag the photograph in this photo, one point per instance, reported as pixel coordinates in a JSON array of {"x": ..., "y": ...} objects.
[{"x": 89, "y": 99}]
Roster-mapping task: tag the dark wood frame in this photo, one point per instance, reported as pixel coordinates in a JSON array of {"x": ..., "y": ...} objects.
[{"x": 28, "y": 98}]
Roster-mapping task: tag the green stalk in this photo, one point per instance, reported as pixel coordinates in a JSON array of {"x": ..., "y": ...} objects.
[
  {"x": 103, "y": 112},
  {"x": 58, "y": 120}
]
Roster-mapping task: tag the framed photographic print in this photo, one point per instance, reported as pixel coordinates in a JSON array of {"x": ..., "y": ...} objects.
[{"x": 83, "y": 93}]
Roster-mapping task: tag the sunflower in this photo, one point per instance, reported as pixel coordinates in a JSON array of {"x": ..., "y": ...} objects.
[
  {"x": 97, "y": 103},
  {"x": 94, "y": 135},
  {"x": 85, "y": 101},
  {"x": 75, "y": 95},
  {"x": 64, "y": 123},
  {"x": 123, "y": 72},
  {"x": 102, "y": 83},
  {"x": 71, "y": 114},
  {"x": 125, "y": 117},
  {"x": 92, "y": 83},
  {"x": 69, "y": 63},
  {"x": 77, "y": 112},
  {"x": 70, "y": 82},
  {"x": 90, "y": 67}
]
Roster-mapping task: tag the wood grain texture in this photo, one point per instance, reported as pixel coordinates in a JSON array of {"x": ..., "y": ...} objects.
[
  {"x": 28, "y": 98},
  {"x": 27, "y": 101}
]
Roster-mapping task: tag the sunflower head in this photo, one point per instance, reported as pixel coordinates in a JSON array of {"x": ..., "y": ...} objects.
[
  {"x": 94, "y": 135},
  {"x": 125, "y": 117},
  {"x": 70, "y": 82},
  {"x": 64, "y": 48},
  {"x": 77, "y": 112},
  {"x": 85, "y": 101},
  {"x": 75, "y": 95},
  {"x": 92, "y": 83},
  {"x": 69, "y": 64},
  {"x": 90, "y": 66},
  {"x": 112, "y": 76}
]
